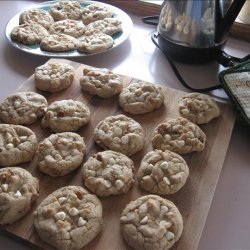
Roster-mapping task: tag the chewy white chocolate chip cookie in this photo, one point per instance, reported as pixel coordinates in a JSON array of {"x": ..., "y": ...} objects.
[
  {"x": 17, "y": 144},
  {"x": 178, "y": 135},
  {"x": 18, "y": 190},
  {"x": 60, "y": 153},
  {"x": 23, "y": 108},
  {"x": 101, "y": 82},
  {"x": 108, "y": 173},
  {"x": 119, "y": 133},
  {"x": 54, "y": 76},
  {"x": 58, "y": 43},
  {"x": 94, "y": 12},
  {"x": 66, "y": 10},
  {"x": 39, "y": 16},
  {"x": 198, "y": 108},
  {"x": 151, "y": 222},
  {"x": 95, "y": 43},
  {"x": 68, "y": 27},
  {"x": 29, "y": 33},
  {"x": 69, "y": 218},
  {"x": 141, "y": 97},
  {"x": 162, "y": 172},
  {"x": 66, "y": 116}
]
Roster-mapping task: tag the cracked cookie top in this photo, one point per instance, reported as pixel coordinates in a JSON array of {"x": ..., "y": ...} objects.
[
  {"x": 69, "y": 218},
  {"x": 151, "y": 222},
  {"x": 108, "y": 173}
]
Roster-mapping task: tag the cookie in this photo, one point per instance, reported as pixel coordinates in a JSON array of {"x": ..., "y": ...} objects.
[
  {"x": 151, "y": 222},
  {"x": 17, "y": 144},
  {"x": 95, "y": 43},
  {"x": 162, "y": 172},
  {"x": 69, "y": 218},
  {"x": 66, "y": 10},
  {"x": 54, "y": 77},
  {"x": 29, "y": 34},
  {"x": 198, "y": 108},
  {"x": 94, "y": 12},
  {"x": 60, "y": 153},
  {"x": 68, "y": 27},
  {"x": 141, "y": 97},
  {"x": 178, "y": 135},
  {"x": 108, "y": 173},
  {"x": 18, "y": 190},
  {"x": 66, "y": 116},
  {"x": 39, "y": 16},
  {"x": 101, "y": 82},
  {"x": 109, "y": 26},
  {"x": 58, "y": 43},
  {"x": 23, "y": 108},
  {"x": 119, "y": 133}
]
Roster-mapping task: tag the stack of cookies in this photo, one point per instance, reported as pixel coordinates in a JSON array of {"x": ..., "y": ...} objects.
[
  {"x": 68, "y": 25},
  {"x": 71, "y": 216}
]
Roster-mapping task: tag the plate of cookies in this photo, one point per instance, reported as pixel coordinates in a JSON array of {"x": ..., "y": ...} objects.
[
  {"x": 69, "y": 28},
  {"x": 91, "y": 159}
]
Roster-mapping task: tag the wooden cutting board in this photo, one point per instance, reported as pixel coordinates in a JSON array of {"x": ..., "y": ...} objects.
[{"x": 193, "y": 200}]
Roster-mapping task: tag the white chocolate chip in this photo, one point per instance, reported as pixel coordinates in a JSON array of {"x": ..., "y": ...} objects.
[
  {"x": 81, "y": 222},
  {"x": 170, "y": 235},
  {"x": 61, "y": 215},
  {"x": 164, "y": 165},
  {"x": 119, "y": 184},
  {"x": 107, "y": 184},
  {"x": 164, "y": 209},
  {"x": 181, "y": 143},
  {"x": 144, "y": 220},
  {"x": 17, "y": 104},
  {"x": 62, "y": 199},
  {"x": 185, "y": 111},
  {"x": 73, "y": 211},
  {"x": 4, "y": 187},
  {"x": 166, "y": 180},
  {"x": 17, "y": 194},
  {"x": 125, "y": 140},
  {"x": 23, "y": 138},
  {"x": 118, "y": 131},
  {"x": 167, "y": 137},
  {"x": 9, "y": 146}
]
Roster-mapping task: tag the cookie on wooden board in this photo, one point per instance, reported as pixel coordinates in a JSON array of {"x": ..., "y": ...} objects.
[
  {"x": 69, "y": 218},
  {"x": 18, "y": 190},
  {"x": 151, "y": 222}
]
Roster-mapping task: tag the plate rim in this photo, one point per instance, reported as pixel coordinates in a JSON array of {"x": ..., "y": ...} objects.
[{"x": 74, "y": 53}]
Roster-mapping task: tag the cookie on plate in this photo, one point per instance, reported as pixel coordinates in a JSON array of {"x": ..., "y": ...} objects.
[
  {"x": 151, "y": 222},
  {"x": 18, "y": 190},
  {"x": 29, "y": 34},
  {"x": 101, "y": 82},
  {"x": 60, "y": 153},
  {"x": 119, "y": 133},
  {"x": 141, "y": 97},
  {"x": 54, "y": 76},
  {"x": 58, "y": 43},
  {"x": 198, "y": 108},
  {"x": 68, "y": 27},
  {"x": 66, "y": 10},
  {"x": 66, "y": 116},
  {"x": 94, "y": 12},
  {"x": 108, "y": 173},
  {"x": 23, "y": 108},
  {"x": 39, "y": 16},
  {"x": 178, "y": 135},
  {"x": 17, "y": 144},
  {"x": 69, "y": 218},
  {"x": 162, "y": 172},
  {"x": 95, "y": 43},
  {"x": 109, "y": 26}
]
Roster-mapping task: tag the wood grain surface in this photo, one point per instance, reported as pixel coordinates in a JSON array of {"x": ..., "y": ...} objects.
[{"x": 193, "y": 200}]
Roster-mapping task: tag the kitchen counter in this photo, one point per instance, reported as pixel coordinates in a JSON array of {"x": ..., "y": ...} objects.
[{"x": 228, "y": 221}]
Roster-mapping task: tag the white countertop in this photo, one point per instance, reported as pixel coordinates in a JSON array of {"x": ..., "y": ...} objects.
[{"x": 228, "y": 221}]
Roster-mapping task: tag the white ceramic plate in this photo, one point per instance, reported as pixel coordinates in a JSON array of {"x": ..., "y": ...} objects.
[{"x": 119, "y": 38}]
